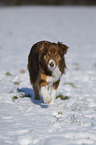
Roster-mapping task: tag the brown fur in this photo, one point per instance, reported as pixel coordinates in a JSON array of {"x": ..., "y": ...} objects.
[
  {"x": 38, "y": 63},
  {"x": 55, "y": 85}
]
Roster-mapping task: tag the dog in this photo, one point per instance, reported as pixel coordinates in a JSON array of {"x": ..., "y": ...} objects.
[{"x": 46, "y": 65}]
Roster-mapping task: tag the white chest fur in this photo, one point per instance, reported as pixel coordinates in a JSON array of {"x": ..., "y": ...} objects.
[{"x": 56, "y": 74}]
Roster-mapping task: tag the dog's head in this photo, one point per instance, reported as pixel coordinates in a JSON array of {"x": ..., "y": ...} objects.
[{"x": 52, "y": 55}]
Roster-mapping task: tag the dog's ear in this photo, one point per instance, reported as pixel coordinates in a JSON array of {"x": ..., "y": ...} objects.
[
  {"x": 43, "y": 46},
  {"x": 63, "y": 47}
]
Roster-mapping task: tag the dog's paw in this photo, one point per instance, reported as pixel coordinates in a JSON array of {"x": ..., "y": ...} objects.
[
  {"x": 47, "y": 99},
  {"x": 52, "y": 102}
]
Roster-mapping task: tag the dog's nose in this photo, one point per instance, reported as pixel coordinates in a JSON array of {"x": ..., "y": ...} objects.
[{"x": 51, "y": 64}]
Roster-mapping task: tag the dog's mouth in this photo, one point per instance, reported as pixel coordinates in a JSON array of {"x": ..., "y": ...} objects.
[{"x": 51, "y": 65}]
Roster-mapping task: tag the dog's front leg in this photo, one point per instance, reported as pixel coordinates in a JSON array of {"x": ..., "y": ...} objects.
[
  {"x": 45, "y": 94},
  {"x": 53, "y": 96},
  {"x": 54, "y": 90},
  {"x": 43, "y": 87}
]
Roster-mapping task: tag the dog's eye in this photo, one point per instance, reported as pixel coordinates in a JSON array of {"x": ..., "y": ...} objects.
[
  {"x": 57, "y": 56},
  {"x": 49, "y": 53}
]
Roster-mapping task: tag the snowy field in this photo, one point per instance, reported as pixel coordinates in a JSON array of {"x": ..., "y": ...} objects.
[{"x": 25, "y": 121}]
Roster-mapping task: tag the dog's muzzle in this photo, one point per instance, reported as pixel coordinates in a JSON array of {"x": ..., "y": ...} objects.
[{"x": 51, "y": 64}]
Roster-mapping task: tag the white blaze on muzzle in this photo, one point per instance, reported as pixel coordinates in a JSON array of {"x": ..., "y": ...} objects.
[{"x": 51, "y": 64}]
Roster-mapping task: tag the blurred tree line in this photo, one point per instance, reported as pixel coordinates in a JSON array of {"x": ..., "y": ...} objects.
[{"x": 47, "y": 2}]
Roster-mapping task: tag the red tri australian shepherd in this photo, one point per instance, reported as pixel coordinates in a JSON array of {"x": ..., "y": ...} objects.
[{"x": 46, "y": 64}]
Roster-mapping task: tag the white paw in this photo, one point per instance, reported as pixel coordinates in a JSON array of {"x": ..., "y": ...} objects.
[
  {"x": 47, "y": 99},
  {"x": 52, "y": 103}
]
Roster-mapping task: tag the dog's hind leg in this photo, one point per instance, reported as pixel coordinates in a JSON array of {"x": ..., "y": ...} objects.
[{"x": 36, "y": 91}]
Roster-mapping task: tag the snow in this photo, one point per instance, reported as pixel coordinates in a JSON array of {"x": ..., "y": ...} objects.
[{"x": 25, "y": 121}]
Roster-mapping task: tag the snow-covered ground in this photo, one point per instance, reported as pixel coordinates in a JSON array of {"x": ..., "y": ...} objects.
[{"x": 25, "y": 121}]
